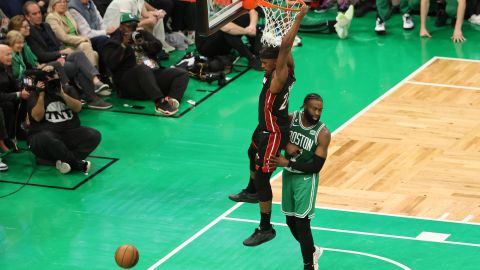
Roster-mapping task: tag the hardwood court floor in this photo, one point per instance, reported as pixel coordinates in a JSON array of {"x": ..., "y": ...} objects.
[{"x": 416, "y": 152}]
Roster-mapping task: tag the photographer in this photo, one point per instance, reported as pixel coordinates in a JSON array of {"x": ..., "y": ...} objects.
[
  {"x": 131, "y": 56},
  {"x": 55, "y": 135}
]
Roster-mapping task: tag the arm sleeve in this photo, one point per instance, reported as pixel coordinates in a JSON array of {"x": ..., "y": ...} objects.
[{"x": 313, "y": 167}]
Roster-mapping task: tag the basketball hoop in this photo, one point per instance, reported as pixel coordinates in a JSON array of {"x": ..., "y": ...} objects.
[{"x": 279, "y": 17}]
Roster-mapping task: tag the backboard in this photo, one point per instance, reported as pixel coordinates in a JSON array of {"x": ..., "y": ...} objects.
[{"x": 213, "y": 14}]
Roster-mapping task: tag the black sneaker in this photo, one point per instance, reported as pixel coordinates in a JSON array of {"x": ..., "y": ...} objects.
[
  {"x": 259, "y": 237},
  {"x": 244, "y": 196},
  {"x": 165, "y": 108},
  {"x": 99, "y": 104}
]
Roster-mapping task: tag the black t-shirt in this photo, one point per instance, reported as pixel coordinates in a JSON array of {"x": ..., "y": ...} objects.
[{"x": 58, "y": 116}]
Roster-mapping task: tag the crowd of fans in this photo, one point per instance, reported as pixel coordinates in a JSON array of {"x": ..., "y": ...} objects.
[{"x": 57, "y": 55}]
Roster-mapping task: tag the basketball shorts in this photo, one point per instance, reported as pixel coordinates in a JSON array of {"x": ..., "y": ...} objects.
[
  {"x": 268, "y": 144},
  {"x": 299, "y": 192}
]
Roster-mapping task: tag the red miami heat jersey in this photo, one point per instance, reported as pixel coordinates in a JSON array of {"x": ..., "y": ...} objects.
[{"x": 273, "y": 108}]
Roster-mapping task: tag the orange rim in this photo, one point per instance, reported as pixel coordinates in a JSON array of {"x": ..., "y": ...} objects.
[{"x": 270, "y": 5}]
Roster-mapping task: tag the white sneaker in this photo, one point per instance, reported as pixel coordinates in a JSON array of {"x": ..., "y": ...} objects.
[
  {"x": 343, "y": 22},
  {"x": 88, "y": 166},
  {"x": 63, "y": 167},
  {"x": 407, "y": 22},
  {"x": 380, "y": 26},
  {"x": 3, "y": 166},
  {"x": 316, "y": 255},
  {"x": 474, "y": 19}
]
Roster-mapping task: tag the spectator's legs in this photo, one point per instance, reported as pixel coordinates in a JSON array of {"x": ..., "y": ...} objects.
[
  {"x": 82, "y": 62},
  {"x": 139, "y": 83},
  {"x": 172, "y": 81},
  {"x": 81, "y": 141},
  {"x": 9, "y": 112},
  {"x": 48, "y": 145},
  {"x": 169, "y": 6},
  {"x": 84, "y": 80},
  {"x": 60, "y": 70}
]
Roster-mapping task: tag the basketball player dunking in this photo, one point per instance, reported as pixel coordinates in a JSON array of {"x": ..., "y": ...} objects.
[{"x": 271, "y": 134}]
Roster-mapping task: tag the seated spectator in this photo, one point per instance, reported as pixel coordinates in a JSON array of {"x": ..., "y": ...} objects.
[
  {"x": 134, "y": 79},
  {"x": 230, "y": 37},
  {"x": 65, "y": 28},
  {"x": 150, "y": 19},
  {"x": 3, "y": 25},
  {"x": 48, "y": 49},
  {"x": 11, "y": 95},
  {"x": 90, "y": 23},
  {"x": 25, "y": 58},
  {"x": 55, "y": 135},
  {"x": 15, "y": 41},
  {"x": 451, "y": 8}
]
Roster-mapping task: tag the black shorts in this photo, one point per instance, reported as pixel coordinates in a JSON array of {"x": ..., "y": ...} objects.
[{"x": 268, "y": 144}]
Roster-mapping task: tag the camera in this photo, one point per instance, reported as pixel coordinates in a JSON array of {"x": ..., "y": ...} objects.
[
  {"x": 50, "y": 78},
  {"x": 137, "y": 37}
]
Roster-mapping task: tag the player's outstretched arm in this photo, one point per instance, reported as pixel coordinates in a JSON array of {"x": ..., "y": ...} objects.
[{"x": 281, "y": 70}]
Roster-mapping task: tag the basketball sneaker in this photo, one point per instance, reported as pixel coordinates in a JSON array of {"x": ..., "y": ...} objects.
[
  {"x": 163, "y": 107},
  {"x": 407, "y": 22},
  {"x": 380, "y": 26},
  {"x": 86, "y": 166},
  {"x": 259, "y": 237},
  {"x": 244, "y": 196},
  {"x": 3, "y": 166},
  {"x": 343, "y": 22},
  {"x": 63, "y": 167},
  {"x": 173, "y": 102},
  {"x": 316, "y": 255}
]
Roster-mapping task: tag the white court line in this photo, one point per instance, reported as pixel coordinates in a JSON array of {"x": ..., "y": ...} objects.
[
  {"x": 360, "y": 233},
  {"x": 444, "y": 85},
  {"x": 457, "y": 59},
  {"x": 404, "y": 267},
  {"x": 203, "y": 230},
  {"x": 468, "y": 218},
  {"x": 395, "y": 215}
]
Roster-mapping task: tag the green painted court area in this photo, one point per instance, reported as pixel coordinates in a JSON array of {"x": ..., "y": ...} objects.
[
  {"x": 171, "y": 176},
  {"x": 352, "y": 241}
]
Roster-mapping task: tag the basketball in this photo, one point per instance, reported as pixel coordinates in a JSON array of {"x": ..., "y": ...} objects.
[{"x": 126, "y": 256}]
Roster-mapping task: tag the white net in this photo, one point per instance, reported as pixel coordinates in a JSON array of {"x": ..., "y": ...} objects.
[{"x": 278, "y": 21}]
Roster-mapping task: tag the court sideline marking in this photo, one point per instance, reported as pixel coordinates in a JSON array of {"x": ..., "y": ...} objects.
[
  {"x": 361, "y": 233},
  {"x": 237, "y": 205}
]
